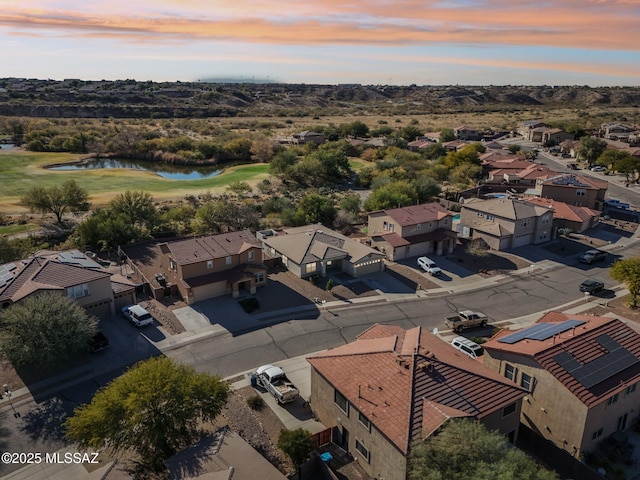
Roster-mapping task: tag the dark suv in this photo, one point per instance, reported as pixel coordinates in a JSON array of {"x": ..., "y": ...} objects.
[
  {"x": 591, "y": 256},
  {"x": 591, "y": 286}
]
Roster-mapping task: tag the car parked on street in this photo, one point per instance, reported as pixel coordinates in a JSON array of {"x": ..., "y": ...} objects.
[
  {"x": 598, "y": 168},
  {"x": 591, "y": 256},
  {"x": 137, "y": 315},
  {"x": 429, "y": 266},
  {"x": 591, "y": 286},
  {"x": 615, "y": 203}
]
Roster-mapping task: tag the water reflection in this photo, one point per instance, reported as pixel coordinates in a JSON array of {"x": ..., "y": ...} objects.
[{"x": 172, "y": 172}]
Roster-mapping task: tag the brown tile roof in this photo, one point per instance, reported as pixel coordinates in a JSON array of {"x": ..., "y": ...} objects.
[
  {"x": 564, "y": 211},
  {"x": 414, "y": 214},
  {"x": 398, "y": 378},
  {"x": 199, "y": 249},
  {"x": 571, "y": 354},
  {"x": 47, "y": 274},
  {"x": 392, "y": 239}
]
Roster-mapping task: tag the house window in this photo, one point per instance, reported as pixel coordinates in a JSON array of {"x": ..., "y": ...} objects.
[
  {"x": 545, "y": 219},
  {"x": 613, "y": 399},
  {"x": 419, "y": 226},
  {"x": 391, "y": 227},
  {"x": 622, "y": 422},
  {"x": 596, "y": 434},
  {"x": 526, "y": 381},
  {"x": 250, "y": 255},
  {"x": 630, "y": 389},
  {"x": 509, "y": 409},
  {"x": 341, "y": 401},
  {"x": 362, "y": 450},
  {"x": 510, "y": 372},
  {"x": 172, "y": 265},
  {"x": 543, "y": 235},
  {"x": 446, "y": 221},
  {"x": 259, "y": 277},
  {"x": 490, "y": 217},
  {"x": 310, "y": 267},
  {"x": 364, "y": 421},
  {"x": 209, "y": 263},
  {"x": 479, "y": 214},
  {"x": 581, "y": 192},
  {"x": 78, "y": 291},
  {"x": 525, "y": 223},
  {"x": 228, "y": 260},
  {"x": 385, "y": 226}
]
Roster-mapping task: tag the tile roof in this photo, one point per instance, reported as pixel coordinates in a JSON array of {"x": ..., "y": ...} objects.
[
  {"x": 47, "y": 274},
  {"x": 599, "y": 346},
  {"x": 392, "y": 239},
  {"x": 564, "y": 211},
  {"x": 505, "y": 207},
  {"x": 414, "y": 214},
  {"x": 409, "y": 381},
  {"x": 199, "y": 249},
  {"x": 312, "y": 243}
]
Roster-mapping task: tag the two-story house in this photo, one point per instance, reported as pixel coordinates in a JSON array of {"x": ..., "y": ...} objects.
[
  {"x": 581, "y": 372},
  {"x": 573, "y": 189},
  {"x": 526, "y": 128},
  {"x": 69, "y": 273},
  {"x": 410, "y": 231},
  {"x": 505, "y": 223},
  {"x": 577, "y": 219},
  {"x": 465, "y": 132},
  {"x": 392, "y": 387},
  {"x": 316, "y": 250},
  {"x": 214, "y": 265}
]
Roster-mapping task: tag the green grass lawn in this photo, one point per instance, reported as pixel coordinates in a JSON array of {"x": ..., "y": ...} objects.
[
  {"x": 14, "y": 229},
  {"x": 20, "y": 171}
]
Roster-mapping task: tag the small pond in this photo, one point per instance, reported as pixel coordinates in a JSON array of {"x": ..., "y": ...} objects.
[{"x": 171, "y": 172}]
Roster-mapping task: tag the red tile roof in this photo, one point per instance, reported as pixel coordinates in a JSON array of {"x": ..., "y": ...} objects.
[
  {"x": 584, "y": 344},
  {"x": 564, "y": 211},
  {"x": 571, "y": 180},
  {"x": 414, "y": 214},
  {"x": 407, "y": 381}
]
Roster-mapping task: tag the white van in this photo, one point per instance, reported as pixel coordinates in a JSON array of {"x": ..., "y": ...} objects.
[{"x": 467, "y": 347}]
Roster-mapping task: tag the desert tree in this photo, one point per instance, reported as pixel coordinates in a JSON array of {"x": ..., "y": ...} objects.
[{"x": 58, "y": 199}]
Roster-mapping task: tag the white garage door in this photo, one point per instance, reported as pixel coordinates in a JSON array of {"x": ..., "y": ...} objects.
[
  {"x": 209, "y": 291},
  {"x": 521, "y": 240}
]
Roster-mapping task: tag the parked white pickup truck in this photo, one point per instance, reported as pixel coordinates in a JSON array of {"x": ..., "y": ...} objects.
[{"x": 274, "y": 380}]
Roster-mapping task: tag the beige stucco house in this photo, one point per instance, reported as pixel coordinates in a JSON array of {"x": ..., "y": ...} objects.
[
  {"x": 410, "y": 231},
  {"x": 70, "y": 273},
  {"x": 316, "y": 250},
  {"x": 581, "y": 372},
  {"x": 214, "y": 265},
  {"x": 573, "y": 189},
  {"x": 391, "y": 387},
  {"x": 505, "y": 223},
  {"x": 576, "y": 218}
]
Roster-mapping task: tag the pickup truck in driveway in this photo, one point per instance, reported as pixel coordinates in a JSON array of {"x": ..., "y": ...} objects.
[
  {"x": 275, "y": 381},
  {"x": 466, "y": 319}
]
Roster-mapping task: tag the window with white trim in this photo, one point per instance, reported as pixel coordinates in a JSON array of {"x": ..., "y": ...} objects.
[
  {"x": 510, "y": 372},
  {"x": 526, "y": 381},
  {"x": 228, "y": 260},
  {"x": 630, "y": 388},
  {"x": 362, "y": 450},
  {"x": 613, "y": 399},
  {"x": 209, "y": 263},
  {"x": 78, "y": 291},
  {"x": 259, "y": 277},
  {"x": 250, "y": 255}
]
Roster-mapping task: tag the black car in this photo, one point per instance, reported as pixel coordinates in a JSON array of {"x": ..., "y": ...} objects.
[
  {"x": 98, "y": 342},
  {"x": 591, "y": 286}
]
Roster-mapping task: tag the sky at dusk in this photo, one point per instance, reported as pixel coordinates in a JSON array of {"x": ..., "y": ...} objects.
[{"x": 424, "y": 42}]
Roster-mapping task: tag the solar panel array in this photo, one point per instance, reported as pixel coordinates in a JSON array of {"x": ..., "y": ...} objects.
[
  {"x": 541, "y": 331},
  {"x": 6, "y": 273},
  {"x": 590, "y": 374}
]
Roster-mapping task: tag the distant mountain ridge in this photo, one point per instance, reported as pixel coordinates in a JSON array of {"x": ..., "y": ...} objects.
[{"x": 132, "y": 99}]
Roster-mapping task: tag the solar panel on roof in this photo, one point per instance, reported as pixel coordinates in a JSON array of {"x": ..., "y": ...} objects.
[
  {"x": 10, "y": 266},
  {"x": 602, "y": 368},
  {"x": 2, "y": 283},
  {"x": 541, "y": 331}
]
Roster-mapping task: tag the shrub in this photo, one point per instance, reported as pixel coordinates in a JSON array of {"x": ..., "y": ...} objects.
[
  {"x": 255, "y": 402},
  {"x": 329, "y": 285},
  {"x": 249, "y": 304}
]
